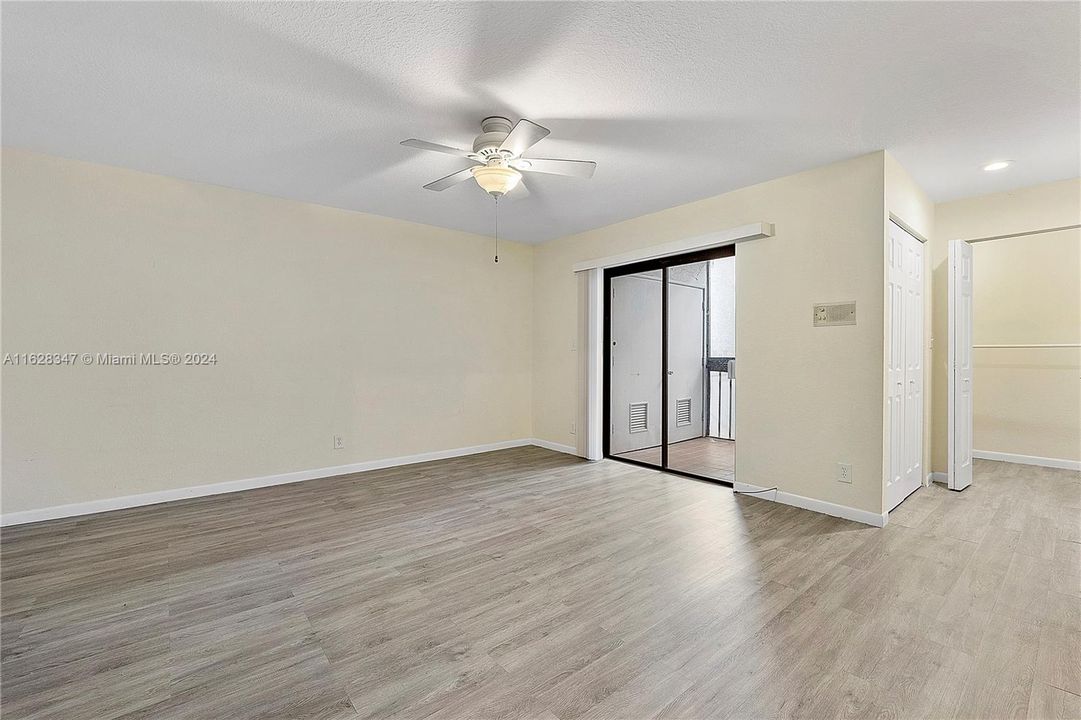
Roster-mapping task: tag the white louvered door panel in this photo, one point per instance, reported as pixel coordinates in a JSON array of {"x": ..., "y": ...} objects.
[
  {"x": 638, "y": 415},
  {"x": 684, "y": 408}
]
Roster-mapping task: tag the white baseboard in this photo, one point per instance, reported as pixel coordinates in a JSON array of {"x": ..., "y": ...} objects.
[
  {"x": 820, "y": 506},
  {"x": 558, "y": 447},
  {"x": 162, "y": 496},
  {"x": 1028, "y": 460},
  {"x": 938, "y": 477}
]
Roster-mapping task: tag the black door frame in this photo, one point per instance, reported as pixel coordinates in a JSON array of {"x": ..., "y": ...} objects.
[{"x": 661, "y": 264}]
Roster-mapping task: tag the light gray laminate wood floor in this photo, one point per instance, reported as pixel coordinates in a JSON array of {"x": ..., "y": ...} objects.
[
  {"x": 529, "y": 584},
  {"x": 706, "y": 456}
]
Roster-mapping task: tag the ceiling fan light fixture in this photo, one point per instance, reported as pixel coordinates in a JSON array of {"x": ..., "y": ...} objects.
[
  {"x": 496, "y": 180},
  {"x": 498, "y": 154}
]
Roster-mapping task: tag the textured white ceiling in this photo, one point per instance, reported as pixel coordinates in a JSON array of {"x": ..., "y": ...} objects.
[{"x": 674, "y": 101}]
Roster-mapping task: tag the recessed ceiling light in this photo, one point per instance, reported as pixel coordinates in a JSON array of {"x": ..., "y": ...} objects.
[{"x": 999, "y": 165}]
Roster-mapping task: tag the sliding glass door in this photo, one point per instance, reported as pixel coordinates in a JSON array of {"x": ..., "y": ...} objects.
[
  {"x": 667, "y": 399},
  {"x": 637, "y": 304}
]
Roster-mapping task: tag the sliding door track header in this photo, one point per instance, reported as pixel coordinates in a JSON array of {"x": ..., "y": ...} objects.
[{"x": 753, "y": 231}]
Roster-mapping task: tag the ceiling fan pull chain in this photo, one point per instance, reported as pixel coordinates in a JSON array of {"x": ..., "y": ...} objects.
[{"x": 497, "y": 228}]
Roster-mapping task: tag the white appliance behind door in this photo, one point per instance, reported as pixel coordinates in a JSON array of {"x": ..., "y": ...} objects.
[
  {"x": 636, "y": 363},
  {"x": 686, "y": 362}
]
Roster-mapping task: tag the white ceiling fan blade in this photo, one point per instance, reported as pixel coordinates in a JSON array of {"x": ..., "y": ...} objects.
[
  {"x": 436, "y": 147},
  {"x": 444, "y": 183},
  {"x": 571, "y": 168},
  {"x": 525, "y": 135}
]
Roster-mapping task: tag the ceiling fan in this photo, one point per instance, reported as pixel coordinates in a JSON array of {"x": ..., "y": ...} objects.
[{"x": 497, "y": 157}]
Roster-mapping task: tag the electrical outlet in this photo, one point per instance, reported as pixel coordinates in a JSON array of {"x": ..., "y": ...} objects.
[
  {"x": 574, "y": 427},
  {"x": 339, "y": 443},
  {"x": 844, "y": 473}
]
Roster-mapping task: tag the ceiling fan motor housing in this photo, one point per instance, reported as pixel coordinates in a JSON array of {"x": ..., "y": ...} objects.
[
  {"x": 497, "y": 152},
  {"x": 494, "y": 131}
]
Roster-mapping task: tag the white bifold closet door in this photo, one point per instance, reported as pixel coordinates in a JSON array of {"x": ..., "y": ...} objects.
[
  {"x": 959, "y": 474},
  {"x": 904, "y": 356}
]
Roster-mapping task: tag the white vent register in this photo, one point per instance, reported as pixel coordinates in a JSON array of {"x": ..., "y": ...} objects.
[
  {"x": 639, "y": 417},
  {"x": 683, "y": 412}
]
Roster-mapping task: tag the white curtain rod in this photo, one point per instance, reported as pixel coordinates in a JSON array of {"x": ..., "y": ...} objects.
[{"x": 1033, "y": 345}]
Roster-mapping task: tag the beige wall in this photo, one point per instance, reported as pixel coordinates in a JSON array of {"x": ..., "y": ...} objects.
[
  {"x": 808, "y": 397},
  {"x": 1026, "y": 290},
  {"x": 330, "y": 322},
  {"x": 401, "y": 337}
]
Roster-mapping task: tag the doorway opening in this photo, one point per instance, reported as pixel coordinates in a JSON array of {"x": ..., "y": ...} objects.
[
  {"x": 670, "y": 364},
  {"x": 1013, "y": 352}
]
